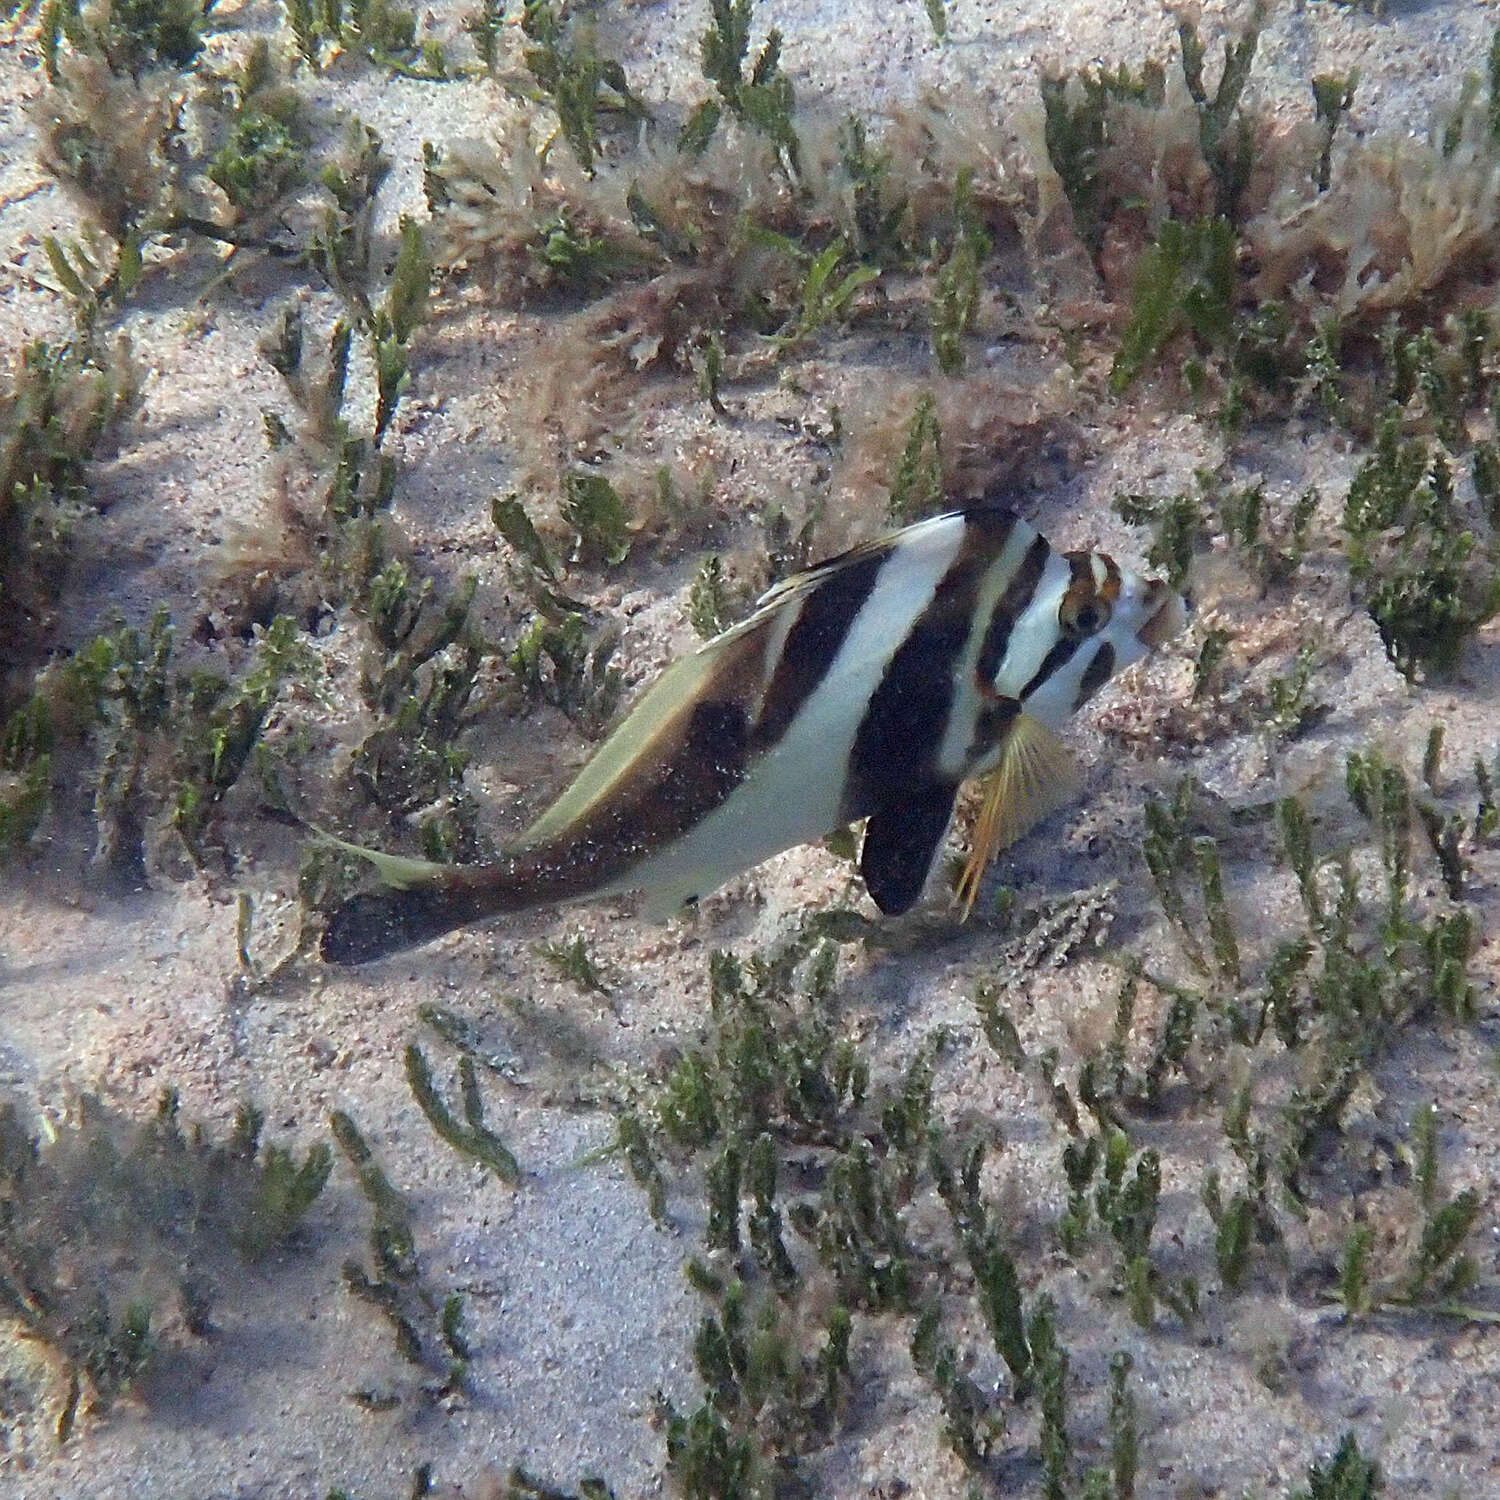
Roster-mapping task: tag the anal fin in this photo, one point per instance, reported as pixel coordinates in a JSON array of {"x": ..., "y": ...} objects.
[{"x": 901, "y": 841}]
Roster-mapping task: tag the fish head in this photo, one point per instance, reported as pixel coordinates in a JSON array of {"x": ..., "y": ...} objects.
[{"x": 1106, "y": 618}]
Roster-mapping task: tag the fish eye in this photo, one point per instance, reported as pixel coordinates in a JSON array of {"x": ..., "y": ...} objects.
[{"x": 1080, "y": 619}]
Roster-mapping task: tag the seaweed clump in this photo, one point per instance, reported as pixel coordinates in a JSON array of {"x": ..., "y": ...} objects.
[
  {"x": 1427, "y": 569},
  {"x": 745, "y": 240},
  {"x": 382, "y": 32},
  {"x": 1403, "y": 220},
  {"x": 814, "y": 1175},
  {"x": 156, "y": 147},
  {"x": 59, "y": 404},
  {"x": 164, "y": 746},
  {"x": 115, "y": 1235},
  {"x": 428, "y": 1331},
  {"x": 1337, "y": 990},
  {"x": 1281, "y": 248},
  {"x": 1132, "y": 149}
]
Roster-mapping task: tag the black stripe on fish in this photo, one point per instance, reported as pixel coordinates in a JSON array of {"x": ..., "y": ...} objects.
[
  {"x": 901, "y": 734},
  {"x": 374, "y": 923},
  {"x": 812, "y": 645},
  {"x": 709, "y": 764},
  {"x": 1095, "y": 675},
  {"x": 1082, "y": 591},
  {"x": 1011, "y": 605},
  {"x": 1060, "y": 655}
]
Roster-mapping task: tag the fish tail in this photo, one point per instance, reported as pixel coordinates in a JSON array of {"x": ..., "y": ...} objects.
[
  {"x": 377, "y": 923},
  {"x": 418, "y": 901}
]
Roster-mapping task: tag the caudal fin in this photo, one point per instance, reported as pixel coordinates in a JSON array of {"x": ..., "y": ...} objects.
[
  {"x": 419, "y": 900},
  {"x": 378, "y": 923}
]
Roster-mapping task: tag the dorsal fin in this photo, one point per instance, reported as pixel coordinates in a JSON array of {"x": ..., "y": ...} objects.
[{"x": 795, "y": 585}]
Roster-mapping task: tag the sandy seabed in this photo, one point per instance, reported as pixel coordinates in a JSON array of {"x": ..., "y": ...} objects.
[{"x": 576, "y": 1306}]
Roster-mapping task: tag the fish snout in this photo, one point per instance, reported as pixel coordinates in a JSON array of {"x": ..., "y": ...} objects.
[{"x": 1165, "y": 613}]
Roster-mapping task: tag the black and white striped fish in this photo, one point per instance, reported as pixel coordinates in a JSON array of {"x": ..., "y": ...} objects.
[{"x": 872, "y": 686}]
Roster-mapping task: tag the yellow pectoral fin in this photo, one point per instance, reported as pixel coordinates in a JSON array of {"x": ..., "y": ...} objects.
[{"x": 1035, "y": 776}]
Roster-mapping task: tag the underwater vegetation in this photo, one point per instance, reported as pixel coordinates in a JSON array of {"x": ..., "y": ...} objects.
[
  {"x": 58, "y": 405},
  {"x": 833, "y": 1200},
  {"x": 115, "y": 1237},
  {"x": 759, "y": 230}
]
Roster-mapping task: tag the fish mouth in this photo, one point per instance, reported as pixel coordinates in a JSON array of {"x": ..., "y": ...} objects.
[{"x": 1166, "y": 615}]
